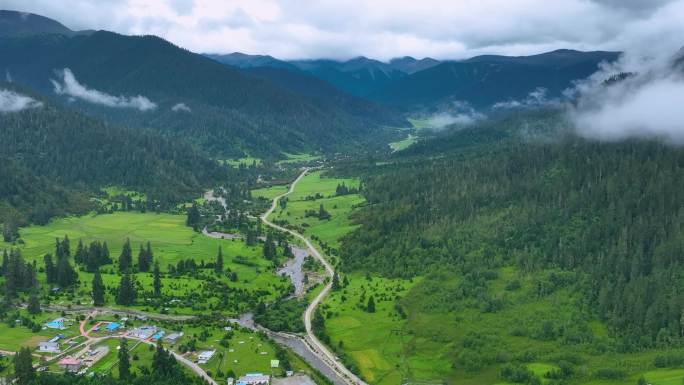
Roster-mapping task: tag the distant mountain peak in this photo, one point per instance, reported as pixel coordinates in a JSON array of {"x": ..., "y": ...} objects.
[{"x": 16, "y": 23}]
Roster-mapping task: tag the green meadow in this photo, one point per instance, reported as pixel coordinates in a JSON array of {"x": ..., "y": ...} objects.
[
  {"x": 298, "y": 158},
  {"x": 340, "y": 207},
  {"x": 247, "y": 160},
  {"x": 269, "y": 192},
  {"x": 403, "y": 144},
  {"x": 448, "y": 340}
]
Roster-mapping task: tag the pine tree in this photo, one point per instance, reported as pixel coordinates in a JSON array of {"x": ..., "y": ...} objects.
[
  {"x": 50, "y": 269},
  {"x": 193, "y": 217},
  {"x": 322, "y": 213},
  {"x": 66, "y": 276},
  {"x": 218, "y": 265},
  {"x": 126, "y": 257},
  {"x": 33, "y": 306},
  {"x": 24, "y": 373},
  {"x": 336, "y": 281},
  {"x": 269, "y": 248},
  {"x": 371, "y": 305},
  {"x": 142, "y": 260},
  {"x": 98, "y": 289},
  {"x": 127, "y": 292},
  {"x": 124, "y": 363},
  {"x": 157, "y": 281},
  {"x": 66, "y": 246},
  {"x": 5, "y": 263}
]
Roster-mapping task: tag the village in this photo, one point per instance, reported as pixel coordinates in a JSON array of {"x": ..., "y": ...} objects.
[{"x": 88, "y": 345}]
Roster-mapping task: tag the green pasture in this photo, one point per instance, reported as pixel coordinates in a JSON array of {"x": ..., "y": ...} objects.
[{"x": 298, "y": 158}]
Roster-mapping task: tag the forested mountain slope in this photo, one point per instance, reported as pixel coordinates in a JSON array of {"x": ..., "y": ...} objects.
[
  {"x": 485, "y": 80},
  {"x": 52, "y": 152},
  {"x": 514, "y": 193},
  {"x": 179, "y": 93}
]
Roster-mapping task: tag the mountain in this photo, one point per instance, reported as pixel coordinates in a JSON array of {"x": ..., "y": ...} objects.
[
  {"x": 54, "y": 155},
  {"x": 13, "y": 23},
  {"x": 241, "y": 60},
  {"x": 485, "y": 80},
  {"x": 411, "y": 65},
  {"x": 360, "y": 76},
  {"x": 179, "y": 93}
]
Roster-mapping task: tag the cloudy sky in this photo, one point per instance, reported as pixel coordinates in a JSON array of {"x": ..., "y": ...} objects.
[{"x": 445, "y": 29}]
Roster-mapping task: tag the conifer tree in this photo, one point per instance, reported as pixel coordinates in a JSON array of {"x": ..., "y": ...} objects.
[
  {"x": 127, "y": 292},
  {"x": 24, "y": 373},
  {"x": 218, "y": 265},
  {"x": 98, "y": 289},
  {"x": 33, "y": 306},
  {"x": 124, "y": 363},
  {"x": 371, "y": 305},
  {"x": 126, "y": 258},
  {"x": 157, "y": 280}
]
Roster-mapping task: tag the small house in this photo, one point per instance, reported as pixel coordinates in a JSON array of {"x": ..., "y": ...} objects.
[
  {"x": 143, "y": 332},
  {"x": 204, "y": 356},
  {"x": 48, "y": 347},
  {"x": 173, "y": 337},
  {"x": 70, "y": 364},
  {"x": 254, "y": 379}
]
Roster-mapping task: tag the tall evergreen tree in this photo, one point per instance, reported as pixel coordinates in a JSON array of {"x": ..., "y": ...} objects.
[
  {"x": 127, "y": 291},
  {"x": 50, "y": 269},
  {"x": 157, "y": 280},
  {"x": 126, "y": 258},
  {"x": 81, "y": 253},
  {"x": 24, "y": 373},
  {"x": 33, "y": 306},
  {"x": 98, "y": 289},
  {"x": 218, "y": 265},
  {"x": 5, "y": 263},
  {"x": 370, "y": 307},
  {"x": 124, "y": 362},
  {"x": 194, "y": 216}
]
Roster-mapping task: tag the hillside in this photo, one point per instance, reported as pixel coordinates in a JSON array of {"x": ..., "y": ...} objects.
[
  {"x": 54, "y": 156},
  {"x": 530, "y": 245},
  {"x": 485, "y": 80},
  {"x": 360, "y": 76},
  {"x": 148, "y": 82}
]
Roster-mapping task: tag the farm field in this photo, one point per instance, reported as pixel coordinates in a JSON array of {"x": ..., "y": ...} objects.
[
  {"x": 269, "y": 192},
  {"x": 304, "y": 198}
]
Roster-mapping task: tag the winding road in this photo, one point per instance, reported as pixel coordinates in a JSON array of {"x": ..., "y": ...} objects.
[{"x": 312, "y": 342}]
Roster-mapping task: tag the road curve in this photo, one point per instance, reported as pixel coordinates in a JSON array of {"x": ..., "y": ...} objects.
[{"x": 312, "y": 342}]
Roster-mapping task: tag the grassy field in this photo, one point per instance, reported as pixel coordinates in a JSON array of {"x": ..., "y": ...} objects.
[
  {"x": 403, "y": 144},
  {"x": 247, "y": 160},
  {"x": 454, "y": 341},
  {"x": 340, "y": 207},
  {"x": 299, "y": 158},
  {"x": 171, "y": 241},
  {"x": 14, "y": 336},
  {"x": 269, "y": 192}
]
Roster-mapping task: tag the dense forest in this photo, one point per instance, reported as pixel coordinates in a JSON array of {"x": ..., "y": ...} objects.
[
  {"x": 53, "y": 155},
  {"x": 221, "y": 108},
  {"x": 507, "y": 195}
]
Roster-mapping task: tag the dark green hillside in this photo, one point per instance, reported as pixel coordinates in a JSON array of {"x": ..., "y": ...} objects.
[
  {"x": 229, "y": 110},
  {"x": 360, "y": 76},
  {"x": 485, "y": 80},
  {"x": 49, "y": 148},
  {"x": 534, "y": 200}
]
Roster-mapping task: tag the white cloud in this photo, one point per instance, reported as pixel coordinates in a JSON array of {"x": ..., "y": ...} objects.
[
  {"x": 71, "y": 87},
  {"x": 459, "y": 115},
  {"x": 376, "y": 28},
  {"x": 648, "y": 103},
  {"x": 180, "y": 107},
  {"x": 536, "y": 98},
  {"x": 13, "y": 102}
]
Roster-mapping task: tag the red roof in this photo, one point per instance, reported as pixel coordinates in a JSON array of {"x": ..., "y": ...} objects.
[{"x": 70, "y": 361}]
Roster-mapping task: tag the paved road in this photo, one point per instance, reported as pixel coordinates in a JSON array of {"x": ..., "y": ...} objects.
[{"x": 312, "y": 342}]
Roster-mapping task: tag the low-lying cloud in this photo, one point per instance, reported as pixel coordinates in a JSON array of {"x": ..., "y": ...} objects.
[
  {"x": 180, "y": 107},
  {"x": 459, "y": 115},
  {"x": 13, "y": 102},
  {"x": 536, "y": 98},
  {"x": 68, "y": 85},
  {"x": 642, "y": 94}
]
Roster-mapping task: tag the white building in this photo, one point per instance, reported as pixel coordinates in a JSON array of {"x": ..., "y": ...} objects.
[
  {"x": 204, "y": 356},
  {"x": 143, "y": 332},
  {"x": 254, "y": 379},
  {"x": 48, "y": 347}
]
